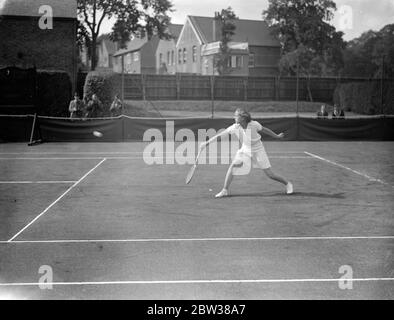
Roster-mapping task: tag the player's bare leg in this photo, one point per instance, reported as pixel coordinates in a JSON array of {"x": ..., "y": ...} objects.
[
  {"x": 227, "y": 182},
  {"x": 280, "y": 179}
]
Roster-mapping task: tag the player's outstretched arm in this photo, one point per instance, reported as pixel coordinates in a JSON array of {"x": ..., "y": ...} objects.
[
  {"x": 206, "y": 143},
  {"x": 272, "y": 134}
]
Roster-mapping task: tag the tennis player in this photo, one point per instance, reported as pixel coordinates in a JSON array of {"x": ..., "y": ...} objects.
[{"x": 251, "y": 153}]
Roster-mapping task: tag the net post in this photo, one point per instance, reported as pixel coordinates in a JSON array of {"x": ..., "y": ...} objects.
[{"x": 33, "y": 142}]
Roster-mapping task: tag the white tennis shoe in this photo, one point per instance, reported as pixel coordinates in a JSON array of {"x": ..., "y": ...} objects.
[
  {"x": 222, "y": 194},
  {"x": 289, "y": 188}
]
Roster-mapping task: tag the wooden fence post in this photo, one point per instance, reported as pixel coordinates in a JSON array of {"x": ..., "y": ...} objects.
[
  {"x": 178, "y": 86},
  {"x": 212, "y": 80},
  {"x": 245, "y": 83},
  {"x": 143, "y": 86},
  {"x": 277, "y": 88}
]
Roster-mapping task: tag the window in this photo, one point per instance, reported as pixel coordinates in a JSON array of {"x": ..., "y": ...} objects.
[
  {"x": 251, "y": 61},
  {"x": 160, "y": 59},
  {"x": 235, "y": 62},
  {"x": 180, "y": 56},
  {"x": 172, "y": 57},
  {"x": 168, "y": 58},
  {"x": 206, "y": 64},
  {"x": 128, "y": 62},
  {"x": 136, "y": 56},
  {"x": 129, "y": 58},
  {"x": 194, "y": 53},
  {"x": 184, "y": 55},
  {"x": 239, "y": 62}
]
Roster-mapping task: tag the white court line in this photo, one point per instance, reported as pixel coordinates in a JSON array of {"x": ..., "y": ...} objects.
[
  {"x": 138, "y": 158},
  {"x": 63, "y": 158},
  {"x": 56, "y": 201},
  {"x": 36, "y": 182},
  {"x": 196, "y": 240},
  {"x": 98, "y": 283},
  {"x": 119, "y": 152},
  {"x": 347, "y": 168}
]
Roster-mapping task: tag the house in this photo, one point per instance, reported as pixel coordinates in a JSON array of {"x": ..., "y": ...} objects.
[
  {"x": 166, "y": 54},
  {"x": 253, "y": 50},
  {"x": 137, "y": 57},
  {"x": 106, "y": 49},
  {"x": 28, "y": 39}
]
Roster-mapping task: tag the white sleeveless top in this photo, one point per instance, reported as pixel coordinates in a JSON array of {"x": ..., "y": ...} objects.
[{"x": 250, "y": 137}]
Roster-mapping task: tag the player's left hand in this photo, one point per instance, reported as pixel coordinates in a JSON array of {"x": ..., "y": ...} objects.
[{"x": 281, "y": 135}]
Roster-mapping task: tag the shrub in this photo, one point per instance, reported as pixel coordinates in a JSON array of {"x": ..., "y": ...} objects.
[
  {"x": 388, "y": 98},
  {"x": 54, "y": 93},
  {"x": 365, "y": 97},
  {"x": 105, "y": 85}
]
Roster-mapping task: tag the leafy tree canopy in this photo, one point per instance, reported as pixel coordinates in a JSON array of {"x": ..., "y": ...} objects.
[
  {"x": 303, "y": 29},
  {"x": 371, "y": 54},
  {"x": 139, "y": 17},
  {"x": 225, "y": 19}
]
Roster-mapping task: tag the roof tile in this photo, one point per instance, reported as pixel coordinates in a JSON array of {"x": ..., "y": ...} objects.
[{"x": 255, "y": 32}]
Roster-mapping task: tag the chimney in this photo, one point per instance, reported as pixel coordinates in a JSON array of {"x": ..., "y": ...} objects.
[{"x": 215, "y": 27}]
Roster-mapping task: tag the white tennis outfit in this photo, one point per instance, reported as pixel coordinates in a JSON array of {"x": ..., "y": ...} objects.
[{"x": 252, "y": 146}]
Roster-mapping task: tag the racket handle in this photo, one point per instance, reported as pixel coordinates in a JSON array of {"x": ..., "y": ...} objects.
[{"x": 198, "y": 156}]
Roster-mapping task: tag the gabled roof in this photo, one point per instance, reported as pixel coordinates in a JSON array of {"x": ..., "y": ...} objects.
[
  {"x": 111, "y": 46},
  {"x": 132, "y": 45},
  {"x": 138, "y": 44},
  {"x": 175, "y": 30},
  {"x": 254, "y": 32},
  {"x": 30, "y": 8}
]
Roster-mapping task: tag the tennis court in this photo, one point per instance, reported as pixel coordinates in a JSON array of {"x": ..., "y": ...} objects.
[{"x": 110, "y": 226}]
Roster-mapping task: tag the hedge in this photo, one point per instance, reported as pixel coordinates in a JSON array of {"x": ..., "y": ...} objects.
[
  {"x": 105, "y": 84},
  {"x": 54, "y": 93},
  {"x": 366, "y": 97}
]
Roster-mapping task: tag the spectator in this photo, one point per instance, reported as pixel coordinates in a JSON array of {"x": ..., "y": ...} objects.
[
  {"x": 94, "y": 107},
  {"x": 338, "y": 113},
  {"x": 322, "y": 114},
  {"x": 75, "y": 107},
  {"x": 116, "y": 107}
]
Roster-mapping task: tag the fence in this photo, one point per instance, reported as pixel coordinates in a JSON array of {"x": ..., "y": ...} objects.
[
  {"x": 196, "y": 87},
  {"x": 123, "y": 128}
]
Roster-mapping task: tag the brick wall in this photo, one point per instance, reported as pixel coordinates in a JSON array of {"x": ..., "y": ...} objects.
[{"x": 24, "y": 44}]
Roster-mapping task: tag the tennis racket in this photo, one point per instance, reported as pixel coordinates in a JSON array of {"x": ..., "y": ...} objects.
[{"x": 192, "y": 169}]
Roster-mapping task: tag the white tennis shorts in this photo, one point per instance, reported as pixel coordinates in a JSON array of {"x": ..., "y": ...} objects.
[{"x": 258, "y": 158}]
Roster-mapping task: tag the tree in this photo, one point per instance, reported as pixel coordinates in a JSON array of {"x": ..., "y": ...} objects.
[
  {"x": 310, "y": 45},
  {"x": 143, "y": 17},
  {"x": 225, "y": 19},
  {"x": 371, "y": 54}
]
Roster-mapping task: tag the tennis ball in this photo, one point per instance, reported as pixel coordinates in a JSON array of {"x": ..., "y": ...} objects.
[{"x": 97, "y": 134}]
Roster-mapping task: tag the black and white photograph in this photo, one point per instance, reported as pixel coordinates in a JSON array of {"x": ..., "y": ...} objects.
[{"x": 196, "y": 155}]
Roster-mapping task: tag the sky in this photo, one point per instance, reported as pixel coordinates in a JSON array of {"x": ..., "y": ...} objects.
[{"x": 353, "y": 17}]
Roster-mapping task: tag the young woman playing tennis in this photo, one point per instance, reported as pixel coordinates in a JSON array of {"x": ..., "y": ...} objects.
[{"x": 252, "y": 151}]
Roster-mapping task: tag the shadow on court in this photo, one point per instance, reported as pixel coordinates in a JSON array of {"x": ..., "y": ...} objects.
[{"x": 295, "y": 194}]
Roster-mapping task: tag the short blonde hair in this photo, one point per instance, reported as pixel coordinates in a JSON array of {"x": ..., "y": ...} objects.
[{"x": 244, "y": 114}]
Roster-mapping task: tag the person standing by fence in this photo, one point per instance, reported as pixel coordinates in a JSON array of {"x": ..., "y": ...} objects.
[
  {"x": 116, "y": 107},
  {"x": 338, "y": 113},
  {"x": 94, "y": 107},
  {"x": 75, "y": 107},
  {"x": 322, "y": 114}
]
